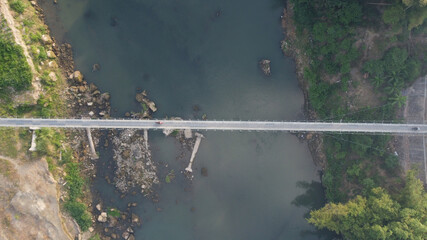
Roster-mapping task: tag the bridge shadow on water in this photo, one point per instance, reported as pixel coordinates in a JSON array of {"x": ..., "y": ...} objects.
[{"x": 310, "y": 200}]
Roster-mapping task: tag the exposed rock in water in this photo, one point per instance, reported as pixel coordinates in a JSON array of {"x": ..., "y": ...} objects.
[
  {"x": 265, "y": 66},
  {"x": 134, "y": 164},
  {"x": 135, "y": 218},
  {"x": 139, "y": 97},
  {"x": 151, "y": 105},
  {"x": 103, "y": 217},
  {"x": 125, "y": 235},
  {"x": 142, "y": 98}
]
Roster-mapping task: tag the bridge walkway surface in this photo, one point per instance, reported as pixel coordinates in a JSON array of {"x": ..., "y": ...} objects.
[{"x": 391, "y": 128}]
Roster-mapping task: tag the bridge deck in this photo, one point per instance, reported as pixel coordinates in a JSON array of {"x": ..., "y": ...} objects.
[{"x": 393, "y": 128}]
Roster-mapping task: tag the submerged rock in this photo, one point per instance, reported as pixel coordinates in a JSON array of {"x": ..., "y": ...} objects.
[
  {"x": 204, "y": 172},
  {"x": 265, "y": 66},
  {"x": 96, "y": 67}
]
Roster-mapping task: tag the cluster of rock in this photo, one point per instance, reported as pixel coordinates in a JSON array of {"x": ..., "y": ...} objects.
[
  {"x": 265, "y": 67},
  {"x": 88, "y": 100},
  {"x": 148, "y": 106},
  {"x": 120, "y": 226},
  {"x": 135, "y": 167}
]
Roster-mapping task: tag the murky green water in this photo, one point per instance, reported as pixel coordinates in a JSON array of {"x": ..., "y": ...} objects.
[{"x": 185, "y": 55}]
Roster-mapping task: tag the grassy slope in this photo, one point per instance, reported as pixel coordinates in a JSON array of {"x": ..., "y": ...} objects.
[{"x": 51, "y": 143}]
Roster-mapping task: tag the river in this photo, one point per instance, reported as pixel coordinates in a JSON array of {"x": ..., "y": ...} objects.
[{"x": 199, "y": 57}]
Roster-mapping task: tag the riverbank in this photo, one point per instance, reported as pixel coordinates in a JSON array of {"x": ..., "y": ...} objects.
[
  {"x": 57, "y": 91},
  {"x": 292, "y": 47},
  {"x": 355, "y": 88}
]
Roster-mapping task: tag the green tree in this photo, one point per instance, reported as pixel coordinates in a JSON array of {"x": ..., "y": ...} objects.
[
  {"x": 417, "y": 17},
  {"x": 78, "y": 211},
  {"x": 393, "y": 14},
  {"x": 419, "y": 3},
  {"x": 377, "y": 81},
  {"x": 397, "y": 100},
  {"x": 378, "y": 216}
]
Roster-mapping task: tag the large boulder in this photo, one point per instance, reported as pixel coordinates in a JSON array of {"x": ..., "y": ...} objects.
[
  {"x": 46, "y": 40},
  {"x": 77, "y": 76},
  {"x": 50, "y": 54},
  {"x": 103, "y": 217},
  {"x": 53, "y": 76},
  {"x": 135, "y": 218},
  {"x": 52, "y": 64}
]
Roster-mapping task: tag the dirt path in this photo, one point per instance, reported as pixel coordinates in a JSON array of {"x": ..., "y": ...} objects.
[
  {"x": 5, "y": 11},
  {"x": 11, "y": 160}
]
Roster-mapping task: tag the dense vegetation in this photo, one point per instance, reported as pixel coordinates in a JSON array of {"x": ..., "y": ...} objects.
[
  {"x": 360, "y": 167},
  {"x": 379, "y": 215},
  {"x": 14, "y": 69},
  {"x": 75, "y": 184}
]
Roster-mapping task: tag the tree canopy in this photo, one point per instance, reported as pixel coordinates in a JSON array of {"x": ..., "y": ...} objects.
[{"x": 379, "y": 215}]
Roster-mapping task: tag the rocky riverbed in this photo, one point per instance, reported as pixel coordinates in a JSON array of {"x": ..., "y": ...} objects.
[{"x": 135, "y": 167}]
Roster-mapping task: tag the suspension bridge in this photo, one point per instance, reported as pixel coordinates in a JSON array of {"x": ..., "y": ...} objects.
[{"x": 344, "y": 127}]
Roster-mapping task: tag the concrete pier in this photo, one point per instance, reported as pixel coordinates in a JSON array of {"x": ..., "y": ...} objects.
[
  {"x": 91, "y": 145},
  {"x": 195, "y": 149},
  {"x": 33, "y": 147},
  {"x": 146, "y": 138}
]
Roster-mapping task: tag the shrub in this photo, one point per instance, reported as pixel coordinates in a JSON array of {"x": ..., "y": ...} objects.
[
  {"x": 35, "y": 37},
  {"x": 17, "y": 6},
  {"x": 43, "y": 54},
  {"x": 14, "y": 69},
  {"x": 95, "y": 237},
  {"x": 113, "y": 212},
  {"x": 391, "y": 162},
  {"x": 78, "y": 211},
  {"x": 75, "y": 181}
]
